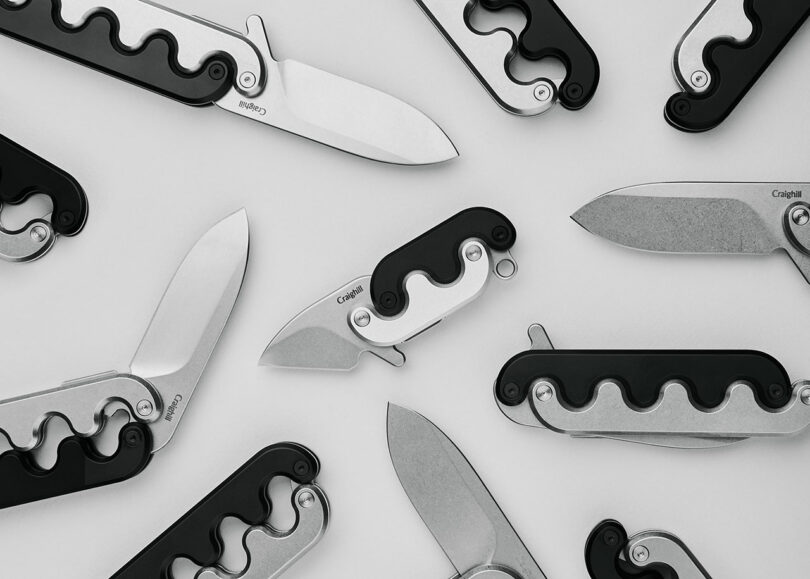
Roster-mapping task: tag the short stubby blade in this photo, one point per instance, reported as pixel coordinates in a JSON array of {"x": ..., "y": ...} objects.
[
  {"x": 321, "y": 338},
  {"x": 451, "y": 499},
  {"x": 190, "y": 318},
  {"x": 689, "y": 217}
]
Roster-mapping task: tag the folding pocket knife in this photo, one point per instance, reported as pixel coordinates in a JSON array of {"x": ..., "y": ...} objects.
[
  {"x": 195, "y": 536},
  {"x": 610, "y": 554},
  {"x": 155, "y": 390},
  {"x": 411, "y": 290},
  {"x": 455, "y": 505},
  {"x": 742, "y": 218},
  {"x": 22, "y": 175},
  {"x": 676, "y": 398},
  {"x": 724, "y": 53},
  {"x": 548, "y": 34},
  {"x": 201, "y": 63}
]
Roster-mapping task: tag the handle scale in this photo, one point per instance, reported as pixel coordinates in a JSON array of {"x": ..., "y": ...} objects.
[{"x": 605, "y": 543}]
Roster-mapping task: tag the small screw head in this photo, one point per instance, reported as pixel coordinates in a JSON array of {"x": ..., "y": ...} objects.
[
  {"x": 39, "y": 233},
  {"x": 474, "y": 253},
  {"x": 699, "y": 78},
  {"x": 247, "y": 80},
  {"x": 611, "y": 538},
  {"x": 306, "y": 499},
  {"x": 641, "y": 554},
  {"x": 301, "y": 468},
  {"x": 800, "y": 216},
  {"x": 217, "y": 71},
  {"x": 144, "y": 408},
  {"x": 362, "y": 318},
  {"x": 543, "y": 392},
  {"x": 542, "y": 92},
  {"x": 133, "y": 438},
  {"x": 805, "y": 396}
]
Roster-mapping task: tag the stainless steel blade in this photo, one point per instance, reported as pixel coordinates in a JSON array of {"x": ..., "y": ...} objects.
[
  {"x": 338, "y": 112},
  {"x": 747, "y": 218},
  {"x": 451, "y": 499},
  {"x": 321, "y": 337},
  {"x": 190, "y": 318}
]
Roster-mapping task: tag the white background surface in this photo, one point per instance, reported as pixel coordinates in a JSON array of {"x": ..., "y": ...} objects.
[{"x": 158, "y": 174}]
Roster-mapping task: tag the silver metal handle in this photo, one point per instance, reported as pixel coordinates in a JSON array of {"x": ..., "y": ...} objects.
[
  {"x": 28, "y": 244},
  {"x": 655, "y": 547}
]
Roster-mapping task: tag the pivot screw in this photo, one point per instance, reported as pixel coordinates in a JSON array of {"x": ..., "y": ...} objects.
[
  {"x": 641, "y": 554},
  {"x": 362, "y": 318},
  {"x": 805, "y": 396},
  {"x": 611, "y": 538},
  {"x": 301, "y": 468},
  {"x": 543, "y": 392},
  {"x": 800, "y": 216},
  {"x": 473, "y": 253},
  {"x": 39, "y": 233},
  {"x": 699, "y": 78},
  {"x": 144, "y": 408},
  {"x": 542, "y": 92},
  {"x": 306, "y": 499},
  {"x": 247, "y": 80}
]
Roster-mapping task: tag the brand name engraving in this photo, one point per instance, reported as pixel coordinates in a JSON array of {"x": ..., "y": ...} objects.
[
  {"x": 787, "y": 194},
  {"x": 172, "y": 408},
  {"x": 253, "y": 108},
  {"x": 350, "y": 295}
]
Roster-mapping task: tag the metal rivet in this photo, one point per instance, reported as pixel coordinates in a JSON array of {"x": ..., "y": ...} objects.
[
  {"x": 247, "y": 80},
  {"x": 800, "y": 216},
  {"x": 641, "y": 554},
  {"x": 39, "y": 233},
  {"x": 700, "y": 78},
  {"x": 805, "y": 396},
  {"x": 474, "y": 253},
  {"x": 543, "y": 392},
  {"x": 306, "y": 499},
  {"x": 362, "y": 318},
  {"x": 542, "y": 92},
  {"x": 144, "y": 408}
]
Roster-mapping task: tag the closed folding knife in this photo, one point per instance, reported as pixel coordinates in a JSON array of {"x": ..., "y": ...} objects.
[
  {"x": 548, "y": 33},
  {"x": 724, "y": 53},
  {"x": 22, "y": 175},
  {"x": 743, "y": 218},
  {"x": 201, "y": 63},
  {"x": 155, "y": 390},
  {"x": 676, "y": 398},
  {"x": 455, "y": 505},
  {"x": 610, "y": 554},
  {"x": 411, "y": 290},
  {"x": 195, "y": 536}
]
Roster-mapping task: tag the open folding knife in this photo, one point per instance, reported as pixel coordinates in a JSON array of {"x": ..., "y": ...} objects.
[
  {"x": 677, "y": 398},
  {"x": 610, "y": 554},
  {"x": 200, "y": 63},
  {"x": 195, "y": 536},
  {"x": 752, "y": 218},
  {"x": 22, "y": 175},
  {"x": 724, "y": 53},
  {"x": 455, "y": 505},
  {"x": 548, "y": 34},
  {"x": 155, "y": 390},
  {"x": 411, "y": 290}
]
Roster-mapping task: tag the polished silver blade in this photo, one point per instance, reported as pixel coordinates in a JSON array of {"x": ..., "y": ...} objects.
[
  {"x": 338, "y": 112},
  {"x": 451, "y": 499},
  {"x": 190, "y": 318},
  {"x": 321, "y": 337}
]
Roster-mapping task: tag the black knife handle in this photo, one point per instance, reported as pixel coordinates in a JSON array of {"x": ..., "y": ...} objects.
[
  {"x": 23, "y": 174},
  {"x": 605, "y": 543},
  {"x": 96, "y": 44},
  {"x": 736, "y": 68},
  {"x": 243, "y": 495},
  {"x": 436, "y": 253},
  {"x": 78, "y": 467},
  {"x": 643, "y": 373},
  {"x": 549, "y": 33}
]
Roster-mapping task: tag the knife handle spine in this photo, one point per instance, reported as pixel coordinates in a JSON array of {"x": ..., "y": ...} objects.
[
  {"x": 96, "y": 44},
  {"x": 437, "y": 254},
  {"x": 707, "y": 375},
  {"x": 23, "y": 174},
  {"x": 550, "y": 33},
  {"x": 243, "y": 495},
  {"x": 736, "y": 68},
  {"x": 78, "y": 467}
]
